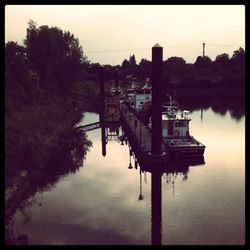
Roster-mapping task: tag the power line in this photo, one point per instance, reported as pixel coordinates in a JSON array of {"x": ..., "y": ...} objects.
[
  {"x": 187, "y": 45},
  {"x": 166, "y": 46},
  {"x": 116, "y": 50},
  {"x": 223, "y": 45},
  {"x": 137, "y": 49}
]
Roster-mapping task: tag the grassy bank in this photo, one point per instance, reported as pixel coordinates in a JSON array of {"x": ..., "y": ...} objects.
[{"x": 39, "y": 140}]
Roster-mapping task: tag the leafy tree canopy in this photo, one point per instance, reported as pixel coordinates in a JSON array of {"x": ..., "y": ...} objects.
[
  {"x": 56, "y": 55},
  {"x": 239, "y": 56}
]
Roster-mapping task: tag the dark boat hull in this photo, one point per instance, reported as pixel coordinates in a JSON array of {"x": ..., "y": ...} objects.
[{"x": 186, "y": 151}]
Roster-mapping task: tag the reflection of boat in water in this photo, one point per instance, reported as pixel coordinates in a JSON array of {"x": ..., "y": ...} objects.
[{"x": 174, "y": 165}]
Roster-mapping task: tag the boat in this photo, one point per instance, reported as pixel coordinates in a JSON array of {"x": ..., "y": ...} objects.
[
  {"x": 175, "y": 122},
  {"x": 175, "y": 131},
  {"x": 138, "y": 95}
]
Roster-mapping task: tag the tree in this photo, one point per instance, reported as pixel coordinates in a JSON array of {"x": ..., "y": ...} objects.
[
  {"x": 144, "y": 69},
  {"x": 18, "y": 85},
  {"x": 132, "y": 61},
  {"x": 125, "y": 64},
  {"x": 56, "y": 55},
  {"x": 175, "y": 65},
  {"x": 15, "y": 61},
  {"x": 239, "y": 56},
  {"x": 237, "y": 69},
  {"x": 175, "y": 60},
  {"x": 203, "y": 62},
  {"x": 222, "y": 60}
]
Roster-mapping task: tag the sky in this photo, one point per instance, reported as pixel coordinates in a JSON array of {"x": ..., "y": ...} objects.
[{"x": 109, "y": 34}]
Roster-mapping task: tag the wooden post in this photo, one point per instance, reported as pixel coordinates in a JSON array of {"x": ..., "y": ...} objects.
[
  {"x": 103, "y": 141},
  {"x": 156, "y": 210},
  {"x": 156, "y": 140},
  {"x": 156, "y": 99},
  {"x": 102, "y": 112},
  {"x": 140, "y": 136}
]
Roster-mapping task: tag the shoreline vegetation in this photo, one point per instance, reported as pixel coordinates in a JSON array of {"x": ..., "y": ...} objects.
[{"x": 41, "y": 143}]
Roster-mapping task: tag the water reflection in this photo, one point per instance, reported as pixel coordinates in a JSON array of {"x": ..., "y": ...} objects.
[
  {"x": 168, "y": 169},
  {"x": 68, "y": 159},
  {"x": 106, "y": 203},
  {"x": 141, "y": 197},
  {"x": 234, "y": 105}
]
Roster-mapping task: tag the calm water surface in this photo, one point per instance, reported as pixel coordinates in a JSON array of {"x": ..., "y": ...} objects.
[{"x": 99, "y": 204}]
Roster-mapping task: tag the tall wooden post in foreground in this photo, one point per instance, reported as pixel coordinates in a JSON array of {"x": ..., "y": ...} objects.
[
  {"x": 156, "y": 197},
  {"x": 156, "y": 99}
]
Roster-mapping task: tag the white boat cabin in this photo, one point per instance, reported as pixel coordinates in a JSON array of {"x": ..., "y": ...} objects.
[
  {"x": 174, "y": 126},
  {"x": 141, "y": 96},
  {"x": 138, "y": 96}
]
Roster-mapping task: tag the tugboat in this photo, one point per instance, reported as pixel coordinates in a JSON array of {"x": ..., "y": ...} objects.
[
  {"x": 175, "y": 132},
  {"x": 175, "y": 123}
]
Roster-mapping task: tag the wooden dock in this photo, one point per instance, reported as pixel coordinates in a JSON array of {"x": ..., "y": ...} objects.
[
  {"x": 89, "y": 127},
  {"x": 139, "y": 136}
]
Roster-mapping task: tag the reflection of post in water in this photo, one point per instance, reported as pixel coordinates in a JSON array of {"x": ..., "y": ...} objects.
[
  {"x": 156, "y": 203},
  {"x": 102, "y": 112},
  {"x": 103, "y": 138},
  {"x": 130, "y": 154},
  {"x": 141, "y": 197}
]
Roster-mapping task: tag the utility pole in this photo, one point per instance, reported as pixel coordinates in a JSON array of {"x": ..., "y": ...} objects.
[{"x": 203, "y": 49}]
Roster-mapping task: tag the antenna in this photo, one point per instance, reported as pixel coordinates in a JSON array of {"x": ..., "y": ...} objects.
[{"x": 203, "y": 49}]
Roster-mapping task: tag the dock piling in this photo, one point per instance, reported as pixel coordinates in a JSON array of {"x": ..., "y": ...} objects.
[
  {"x": 156, "y": 136},
  {"x": 156, "y": 140}
]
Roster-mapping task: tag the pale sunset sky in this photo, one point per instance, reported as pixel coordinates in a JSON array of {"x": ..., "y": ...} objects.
[{"x": 108, "y": 34}]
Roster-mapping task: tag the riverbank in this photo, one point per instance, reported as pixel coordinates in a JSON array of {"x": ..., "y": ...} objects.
[{"x": 39, "y": 139}]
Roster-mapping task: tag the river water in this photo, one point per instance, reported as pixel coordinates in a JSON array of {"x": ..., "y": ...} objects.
[{"x": 104, "y": 204}]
